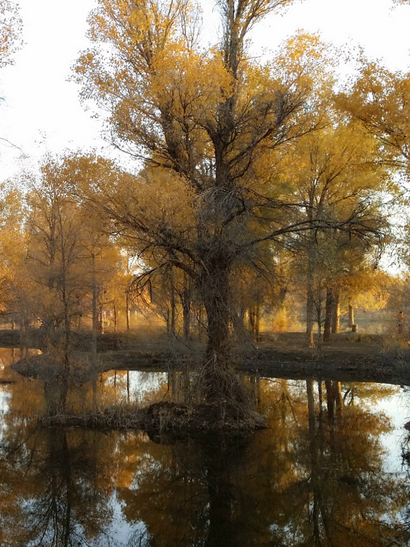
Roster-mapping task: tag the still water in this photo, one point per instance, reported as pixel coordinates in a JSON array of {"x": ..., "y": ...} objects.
[{"x": 331, "y": 470}]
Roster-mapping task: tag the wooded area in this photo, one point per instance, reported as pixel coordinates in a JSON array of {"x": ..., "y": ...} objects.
[{"x": 255, "y": 186}]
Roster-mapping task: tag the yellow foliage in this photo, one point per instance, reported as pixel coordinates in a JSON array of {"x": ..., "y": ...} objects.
[
  {"x": 380, "y": 102},
  {"x": 281, "y": 321},
  {"x": 192, "y": 83},
  {"x": 237, "y": 155}
]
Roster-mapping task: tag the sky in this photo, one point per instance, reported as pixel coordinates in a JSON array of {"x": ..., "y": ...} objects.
[{"x": 40, "y": 109}]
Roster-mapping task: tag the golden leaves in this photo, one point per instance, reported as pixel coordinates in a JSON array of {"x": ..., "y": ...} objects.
[
  {"x": 191, "y": 82},
  {"x": 160, "y": 199},
  {"x": 306, "y": 58},
  {"x": 380, "y": 101}
]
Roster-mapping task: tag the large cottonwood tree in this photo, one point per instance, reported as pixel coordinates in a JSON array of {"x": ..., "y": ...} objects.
[{"x": 208, "y": 125}]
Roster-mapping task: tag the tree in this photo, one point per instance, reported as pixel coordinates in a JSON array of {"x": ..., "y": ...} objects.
[
  {"x": 69, "y": 262},
  {"x": 10, "y": 31},
  {"x": 12, "y": 253},
  {"x": 336, "y": 176},
  {"x": 379, "y": 100},
  {"x": 208, "y": 126},
  {"x": 53, "y": 264}
]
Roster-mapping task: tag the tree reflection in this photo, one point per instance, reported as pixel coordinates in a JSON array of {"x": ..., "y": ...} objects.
[
  {"x": 185, "y": 495},
  {"x": 55, "y": 492},
  {"x": 314, "y": 479},
  {"x": 346, "y": 498},
  {"x": 58, "y": 499}
]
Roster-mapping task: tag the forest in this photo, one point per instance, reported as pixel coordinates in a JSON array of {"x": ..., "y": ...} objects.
[{"x": 259, "y": 197}]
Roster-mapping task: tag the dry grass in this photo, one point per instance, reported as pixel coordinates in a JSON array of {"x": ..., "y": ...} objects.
[{"x": 118, "y": 417}]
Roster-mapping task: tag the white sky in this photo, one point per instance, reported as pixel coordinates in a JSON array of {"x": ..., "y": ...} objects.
[{"x": 40, "y": 110}]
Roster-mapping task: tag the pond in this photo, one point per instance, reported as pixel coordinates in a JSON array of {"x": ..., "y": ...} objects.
[{"x": 332, "y": 469}]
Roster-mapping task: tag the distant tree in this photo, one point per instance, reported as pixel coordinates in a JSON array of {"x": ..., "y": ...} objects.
[
  {"x": 379, "y": 101},
  {"x": 10, "y": 31},
  {"x": 336, "y": 177},
  {"x": 54, "y": 263},
  {"x": 69, "y": 262},
  {"x": 12, "y": 247}
]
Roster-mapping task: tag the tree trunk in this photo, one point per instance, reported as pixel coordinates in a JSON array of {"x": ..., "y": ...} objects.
[
  {"x": 351, "y": 315},
  {"x": 168, "y": 320},
  {"x": 256, "y": 333},
  {"x": 238, "y": 322},
  {"x": 218, "y": 382},
  {"x": 172, "y": 302},
  {"x": 94, "y": 321},
  {"x": 328, "y": 315},
  {"x": 254, "y": 320},
  {"x": 186, "y": 310},
  {"x": 21, "y": 332},
  {"x": 336, "y": 312},
  {"x": 127, "y": 307},
  {"x": 66, "y": 341},
  {"x": 214, "y": 287},
  {"x": 115, "y": 318},
  {"x": 94, "y": 336},
  {"x": 319, "y": 310},
  {"x": 310, "y": 305}
]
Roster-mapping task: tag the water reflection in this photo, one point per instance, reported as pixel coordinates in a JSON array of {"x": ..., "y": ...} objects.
[
  {"x": 315, "y": 478},
  {"x": 59, "y": 488}
]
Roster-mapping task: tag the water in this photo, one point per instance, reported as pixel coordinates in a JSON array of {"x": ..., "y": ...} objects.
[{"x": 331, "y": 470}]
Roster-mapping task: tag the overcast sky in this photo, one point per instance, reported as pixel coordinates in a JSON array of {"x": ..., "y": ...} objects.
[{"x": 40, "y": 110}]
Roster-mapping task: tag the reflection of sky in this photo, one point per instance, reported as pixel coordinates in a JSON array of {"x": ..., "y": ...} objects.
[
  {"x": 4, "y": 407},
  {"x": 126, "y": 533},
  {"x": 119, "y": 534},
  {"x": 397, "y": 408},
  {"x": 142, "y": 383}
]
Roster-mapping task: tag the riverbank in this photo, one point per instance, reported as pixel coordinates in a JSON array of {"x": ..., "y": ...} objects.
[{"x": 349, "y": 357}]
